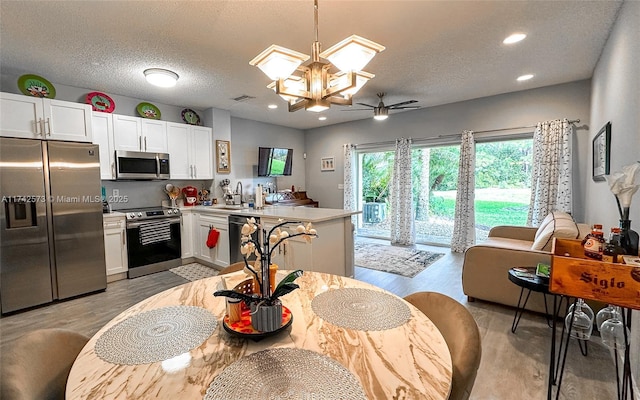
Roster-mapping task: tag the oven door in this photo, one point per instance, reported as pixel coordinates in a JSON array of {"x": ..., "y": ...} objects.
[{"x": 153, "y": 246}]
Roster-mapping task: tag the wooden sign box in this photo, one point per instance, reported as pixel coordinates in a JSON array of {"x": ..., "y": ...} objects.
[{"x": 573, "y": 274}]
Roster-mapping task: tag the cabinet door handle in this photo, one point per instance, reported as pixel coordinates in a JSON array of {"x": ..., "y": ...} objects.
[
  {"x": 35, "y": 128},
  {"x": 195, "y": 171},
  {"x": 140, "y": 143},
  {"x": 145, "y": 143},
  {"x": 113, "y": 169},
  {"x": 123, "y": 239},
  {"x": 41, "y": 123},
  {"x": 50, "y": 128}
]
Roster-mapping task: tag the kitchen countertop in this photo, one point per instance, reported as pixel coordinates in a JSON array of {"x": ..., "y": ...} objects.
[
  {"x": 113, "y": 214},
  {"x": 307, "y": 214}
]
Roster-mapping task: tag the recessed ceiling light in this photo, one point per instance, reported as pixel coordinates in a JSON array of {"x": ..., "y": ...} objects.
[
  {"x": 515, "y": 38},
  {"x": 525, "y": 77},
  {"x": 161, "y": 77},
  {"x": 272, "y": 106},
  {"x": 322, "y": 118}
]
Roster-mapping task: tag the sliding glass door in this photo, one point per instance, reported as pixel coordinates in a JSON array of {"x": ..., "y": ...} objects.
[{"x": 502, "y": 194}]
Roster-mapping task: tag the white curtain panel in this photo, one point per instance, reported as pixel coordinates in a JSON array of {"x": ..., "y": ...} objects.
[
  {"x": 464, "y": 226},
  {"x": 551, "y": 172},
  {"x": 402, "y": 223},
  {"x": 349, "y": 194}
]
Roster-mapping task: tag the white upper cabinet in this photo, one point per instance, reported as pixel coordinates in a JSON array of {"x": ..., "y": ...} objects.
[
  {"x": 48, "y": 119},
  {"x": 139, "y": 134},
  {"x": 202, "y": 153},
  {"x": 190, "y": 149},
  {"x": 154, "y": 136},
  {"x": 127, "y": 133},
  {"x": 103, "y": 137}
]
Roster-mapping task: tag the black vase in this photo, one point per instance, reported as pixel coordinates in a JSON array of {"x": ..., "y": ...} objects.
[{"x": 628, "y": 238}]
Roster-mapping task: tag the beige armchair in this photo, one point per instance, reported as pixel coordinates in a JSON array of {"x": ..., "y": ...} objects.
[{"x": 486, "y": 265}]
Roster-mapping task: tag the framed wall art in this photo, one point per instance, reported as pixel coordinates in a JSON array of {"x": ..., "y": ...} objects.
[
  {"x": 602, "y": 153},
  {"x": 327, "y": 164},
  {"x": 223, "y": 156}
]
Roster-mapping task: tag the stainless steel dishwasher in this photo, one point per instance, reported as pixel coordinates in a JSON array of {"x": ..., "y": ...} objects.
[{"x": 235, "y": 236}]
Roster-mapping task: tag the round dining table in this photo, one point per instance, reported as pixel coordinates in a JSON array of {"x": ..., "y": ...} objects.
[{"x": 407, "y": 361}]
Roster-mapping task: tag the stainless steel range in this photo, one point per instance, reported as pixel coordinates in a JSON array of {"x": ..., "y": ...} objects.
[{"x": 153, "y": 240}]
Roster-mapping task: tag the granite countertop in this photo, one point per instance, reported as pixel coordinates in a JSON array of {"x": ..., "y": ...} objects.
[{"x": 308, "y": 214}]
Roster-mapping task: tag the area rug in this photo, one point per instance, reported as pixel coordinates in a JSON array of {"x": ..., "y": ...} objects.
[
  {"x": 405, "y": 261},
  {"x": 194, "y": 271}
]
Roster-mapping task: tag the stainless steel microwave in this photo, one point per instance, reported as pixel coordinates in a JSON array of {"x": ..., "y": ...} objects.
[{"x": 136, "y": 165}]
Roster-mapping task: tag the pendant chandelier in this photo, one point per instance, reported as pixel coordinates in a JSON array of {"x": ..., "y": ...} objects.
[{"x": 317, "y": 85}]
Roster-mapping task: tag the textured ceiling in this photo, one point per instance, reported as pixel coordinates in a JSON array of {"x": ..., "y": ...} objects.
[{"x": 437, "y": 52}]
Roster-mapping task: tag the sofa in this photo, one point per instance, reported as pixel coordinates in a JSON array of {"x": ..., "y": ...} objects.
[{"x": 486, "y": 265}]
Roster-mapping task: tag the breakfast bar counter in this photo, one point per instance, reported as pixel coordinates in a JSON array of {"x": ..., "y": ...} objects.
[{"x": 388, "y": 350}]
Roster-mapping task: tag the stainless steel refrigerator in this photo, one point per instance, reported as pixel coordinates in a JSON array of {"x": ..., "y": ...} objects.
[{"x": 51, "y": 232}]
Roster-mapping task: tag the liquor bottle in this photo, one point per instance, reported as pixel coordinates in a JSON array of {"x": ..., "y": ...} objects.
[
  {"x": 612, "y": 250},
  {"x": 594, "y": 243}
]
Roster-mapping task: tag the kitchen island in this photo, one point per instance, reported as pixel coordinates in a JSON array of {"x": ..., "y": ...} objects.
[{"x": 331, "y": 252}]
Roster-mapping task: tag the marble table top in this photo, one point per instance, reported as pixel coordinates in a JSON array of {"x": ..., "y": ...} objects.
[{"x": 409, "y": 361}]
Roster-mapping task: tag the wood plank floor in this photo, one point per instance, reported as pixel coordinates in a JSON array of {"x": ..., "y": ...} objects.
[{"x": 514, "y": 366}]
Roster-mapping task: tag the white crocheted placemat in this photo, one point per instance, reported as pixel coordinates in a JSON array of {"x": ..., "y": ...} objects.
[
  {"x": 156, "y": 335},
  {"x": 285, "y": 373},
  {"x": 361, "y": 309}
]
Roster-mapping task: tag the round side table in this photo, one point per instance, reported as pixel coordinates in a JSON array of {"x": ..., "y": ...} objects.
[{"x": 526, "y": 278}]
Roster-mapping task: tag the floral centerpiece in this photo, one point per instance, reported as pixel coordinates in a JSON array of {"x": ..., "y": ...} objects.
[
  {"x": 623, "y": 186},
  {"x": 266, "y": 303}
]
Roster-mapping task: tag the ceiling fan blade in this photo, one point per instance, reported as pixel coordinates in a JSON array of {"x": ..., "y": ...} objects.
[
  {"x": 366, "y": 105},
  {"x": 357, "y": 109},
  {"x": 406, "y": 108},
  {"x": 402, "y": 103}
]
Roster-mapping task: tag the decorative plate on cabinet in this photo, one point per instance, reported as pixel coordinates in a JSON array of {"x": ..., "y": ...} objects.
[
  {"x": 148, "y": 110},
  {"x": 37, "y": 86},
  {"x": 190, "y": 117},
  {"x": 101, "y": 102}
]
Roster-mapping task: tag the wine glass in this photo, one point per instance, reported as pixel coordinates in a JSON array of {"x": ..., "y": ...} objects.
[
  {"x": 609, "y": 312},
  {"x": 582, "y": 317},
  {"x": 612, "y": 333}
]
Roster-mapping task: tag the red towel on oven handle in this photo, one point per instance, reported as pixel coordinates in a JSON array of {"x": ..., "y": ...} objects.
[{"x": 212, "y": 238}]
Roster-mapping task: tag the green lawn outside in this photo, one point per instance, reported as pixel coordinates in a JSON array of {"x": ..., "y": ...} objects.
[{"x": 491, "y": 213}]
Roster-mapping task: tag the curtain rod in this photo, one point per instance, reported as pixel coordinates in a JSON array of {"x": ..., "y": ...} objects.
[{"x": 573, "y": 121}]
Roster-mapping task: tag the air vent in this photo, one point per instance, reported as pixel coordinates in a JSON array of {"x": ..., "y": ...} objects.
[{"x": 244, "y": 97}]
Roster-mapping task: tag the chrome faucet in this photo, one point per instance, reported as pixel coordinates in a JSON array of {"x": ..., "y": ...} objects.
[{"x": 240, "y": 192}]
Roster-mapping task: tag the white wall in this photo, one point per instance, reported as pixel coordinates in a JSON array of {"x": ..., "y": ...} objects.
[
  {"x": 515, "y": 109},
  {"x": 616, "y": 98},
  {"x": 246, "y": 137}
]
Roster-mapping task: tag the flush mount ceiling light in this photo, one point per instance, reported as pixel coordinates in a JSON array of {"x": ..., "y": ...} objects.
[
  {"x": 380, "y": 113},
  {"x": 515, "y": 38},
  {"x": 314, "y": 86},
  {"x": 524, "y": 77},
  {"x": 161, "y": 77}
]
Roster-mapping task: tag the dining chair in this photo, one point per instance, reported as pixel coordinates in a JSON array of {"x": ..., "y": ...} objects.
[
  {"x": 239, "y": 266},
  {"x": 461, "y": 333},
  {"x": 37, "y": 364}
]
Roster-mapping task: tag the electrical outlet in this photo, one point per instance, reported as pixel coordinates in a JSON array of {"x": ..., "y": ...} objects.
[{"x": 340, "y": 186}]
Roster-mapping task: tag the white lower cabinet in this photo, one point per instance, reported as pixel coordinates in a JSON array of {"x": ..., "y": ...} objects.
[
  {"x": 115, "y": 245},
  {"x": 201, "y": 224},
  {"x": 326, "y": 253}
]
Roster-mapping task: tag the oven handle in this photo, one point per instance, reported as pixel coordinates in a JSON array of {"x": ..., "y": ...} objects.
[{"x": 138, "y": 224}]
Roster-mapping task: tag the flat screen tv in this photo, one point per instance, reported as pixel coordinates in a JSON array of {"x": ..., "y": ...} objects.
[{"x": 274, "y": 161}]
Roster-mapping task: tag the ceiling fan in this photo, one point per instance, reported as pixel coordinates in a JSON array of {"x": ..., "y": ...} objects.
[{"x": 381, "y": 111}]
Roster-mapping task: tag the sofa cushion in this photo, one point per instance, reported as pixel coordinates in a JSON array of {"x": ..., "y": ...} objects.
[{"x": 557, "y": 224}]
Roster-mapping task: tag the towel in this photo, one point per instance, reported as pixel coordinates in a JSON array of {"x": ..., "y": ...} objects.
[{"x": 212, "y": 238}]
